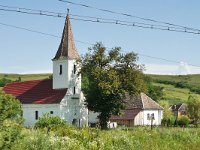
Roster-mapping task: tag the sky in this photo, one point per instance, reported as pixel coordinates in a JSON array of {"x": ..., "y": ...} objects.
[{"x": 25, "y": 52}]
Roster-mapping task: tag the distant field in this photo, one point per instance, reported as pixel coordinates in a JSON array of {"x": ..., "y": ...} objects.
[
  {"x": 25, "y": 77},
  {"x": 175, "y": 95},
  {"x": 177, "y": 88},
  {"x": 191, "y": 80}
]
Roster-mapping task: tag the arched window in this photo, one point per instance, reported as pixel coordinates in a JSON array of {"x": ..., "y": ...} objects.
[{"x": 60, "y": 69}]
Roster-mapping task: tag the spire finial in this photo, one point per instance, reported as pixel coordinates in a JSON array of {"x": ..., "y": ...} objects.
[{"x": 67, "y": 11}]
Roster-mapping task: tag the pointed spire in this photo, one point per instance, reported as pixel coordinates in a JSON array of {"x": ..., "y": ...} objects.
[{"x": 67, "y": 47}]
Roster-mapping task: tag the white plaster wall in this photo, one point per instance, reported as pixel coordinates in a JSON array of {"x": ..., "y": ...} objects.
[
  {"x": 74, "y": 109},
  {"x": 60, "y": 81},
  {"x": 93, "y": 117},
  {"x": 73, "y": 105},
  {"x": 139, "y": 118},
  {"x": 157, "y": 116},
  {"x": 29, "y": 111}
]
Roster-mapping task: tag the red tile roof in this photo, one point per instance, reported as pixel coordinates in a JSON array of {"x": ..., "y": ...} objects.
[
  {"x": 148, "y": 103},
  {"x": 134, "y": 104},
  {"x": 127, "y": 114},
  {"x": 35, "y": 92}
]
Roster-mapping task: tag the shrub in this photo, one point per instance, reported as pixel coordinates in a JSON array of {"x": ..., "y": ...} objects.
[
  {"x": 9, "y": 132},
  {"x": 183, "y": 121},
  {"x": 10, "y": 108},
  {"x": 168, "y": 121},
  {"x": 181, "y": 85},
  {"x": 4, "y": 81},
  {"x": 49, "y": 122}
]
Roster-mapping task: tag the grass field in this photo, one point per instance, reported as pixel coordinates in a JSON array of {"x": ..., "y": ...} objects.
[
  {"x": 172, "y": 93},
  {"x": 193, "y": 80},
  {"x": 71, "y": 138},
  {"x": 25, "y": 77}
]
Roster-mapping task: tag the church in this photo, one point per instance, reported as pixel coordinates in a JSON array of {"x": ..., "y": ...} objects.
[{"x": 60, "y": 96}]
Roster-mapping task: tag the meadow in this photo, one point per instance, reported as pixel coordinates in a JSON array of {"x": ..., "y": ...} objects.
[
  {"x": 71, "y": 138},
  {"x": 24, "y": 77}
]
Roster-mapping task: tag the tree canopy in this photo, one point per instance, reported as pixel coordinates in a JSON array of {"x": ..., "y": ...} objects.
[
  {"x": 110, "y": 74},
  {"x": 10, "y": 107},
  {"x": 194, "y": 107}
]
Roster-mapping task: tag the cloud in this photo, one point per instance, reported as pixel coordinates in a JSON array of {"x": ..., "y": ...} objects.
[{"x": 166, "y": 69}]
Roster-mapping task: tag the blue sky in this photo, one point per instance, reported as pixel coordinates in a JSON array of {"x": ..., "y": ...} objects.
[{"x": 25, "y": 52}]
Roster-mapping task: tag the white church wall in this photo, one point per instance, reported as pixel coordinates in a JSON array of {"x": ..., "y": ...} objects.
[
  {"x": 29, "y": 112},
  {"x": 60, "y": 80},
  {"x": 73, "y": 108}
]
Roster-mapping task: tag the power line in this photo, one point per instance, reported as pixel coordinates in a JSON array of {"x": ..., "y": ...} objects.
[
  {"x": 87, "y": 43},
  {"x": 97, "y": 19},
  {"x": 127, "y": 15}
]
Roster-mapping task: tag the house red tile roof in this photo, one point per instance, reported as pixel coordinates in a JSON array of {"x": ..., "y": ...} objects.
[
  {"x": 148, "y": 103},
  {"x": 134, "y": 104},
  {"x": 35, "y": 92},
  {"x": 127, "y": 114},
  {"x": 67, "y": 47}
]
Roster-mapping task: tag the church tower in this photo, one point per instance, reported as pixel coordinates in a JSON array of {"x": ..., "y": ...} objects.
[{"x": 65, "y": 66}]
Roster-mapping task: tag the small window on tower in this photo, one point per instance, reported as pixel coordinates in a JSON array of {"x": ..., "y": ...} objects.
[
  {"x": 74, "y": 69},
  {"x": 74, "y": 90},
  {"x": 36, "y": 115},
  {"x": 60, "y": 69}
]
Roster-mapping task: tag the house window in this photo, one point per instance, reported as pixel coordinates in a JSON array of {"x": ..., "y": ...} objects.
[
  {"x": 51, "y": 112},
  {"x": 60, "y": 70},
  {"x": 36, "y": 115},
  {"x": 148, "y": 117},
  {"x": 183, "y": 113},
  {"x": 74, "y": 90},
  {"x": 152, "y": 116},
  {"x": 74, "y": 69}
]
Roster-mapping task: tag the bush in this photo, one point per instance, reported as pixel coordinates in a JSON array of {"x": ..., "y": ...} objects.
[
  {"x": 181, "y": 85},
  {"x": 183, "y": 121},
  {"x": 49, "y": 122},
  {"x": 10, "y": 108},
  {"x": 9, "y": 132},
  {"x": 4, "y": 81},
  {"x": 168, "y": 121}
]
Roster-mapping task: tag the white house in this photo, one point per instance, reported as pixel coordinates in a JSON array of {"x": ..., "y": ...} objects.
[
  {"x": 139, "y": 111},
  {"x": 60, "y": 96}
]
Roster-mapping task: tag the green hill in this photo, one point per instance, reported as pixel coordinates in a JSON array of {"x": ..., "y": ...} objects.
[
  {"x": 24, "y": 77},
  {"x": 177, "y": 88}
]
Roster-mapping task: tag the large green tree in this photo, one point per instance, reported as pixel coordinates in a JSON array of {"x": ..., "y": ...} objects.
[
  {"x": 110, "y": 74},
  {"x": 194, "y": 108},
  {"x": 10, "y": 108}
]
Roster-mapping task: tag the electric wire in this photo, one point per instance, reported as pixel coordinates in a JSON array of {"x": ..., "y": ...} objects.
[
  {"x": 97, "y": 19},
  {"x": 82, "y": 42},
  {"x": 127, "y": 15}
]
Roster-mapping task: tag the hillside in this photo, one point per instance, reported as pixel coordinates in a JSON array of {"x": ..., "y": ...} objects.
[
  {"x": 177, "y": 88},
  {"x": 24, "y": 77}
]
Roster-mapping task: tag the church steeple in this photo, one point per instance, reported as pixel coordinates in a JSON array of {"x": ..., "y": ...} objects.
[
  {"x": 65, "y": 64},
  {"x": 67, "y": 48}
]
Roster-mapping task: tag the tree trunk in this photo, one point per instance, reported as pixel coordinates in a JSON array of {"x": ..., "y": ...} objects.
[{"x": 104, "y": 118}]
